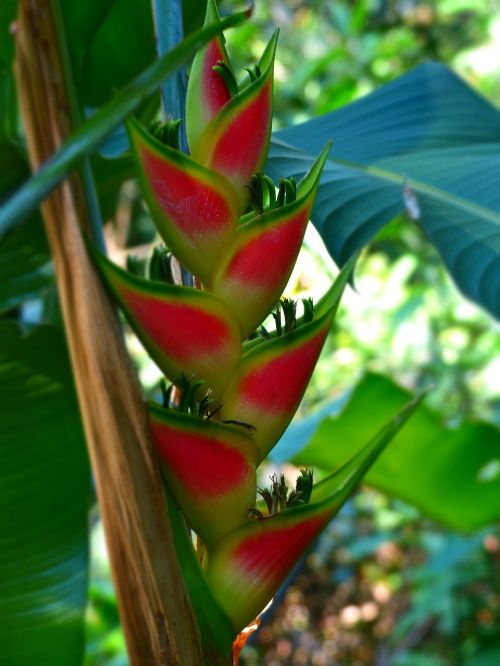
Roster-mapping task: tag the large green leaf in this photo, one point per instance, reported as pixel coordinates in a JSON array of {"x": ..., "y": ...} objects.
[
  {"x": 13, "y": 164},
  {"x": 108, "y": 65},
  {"x": 25, "y": 264},
  {"x": 96, "y": 31},
  {"x": 452, "y": 475},
  {"x": 82, "y": 20},
  {"x": 24, "y": 255},
  {"x": 44, "y": 496},
  {"x": 426, "y": 133},
  {"x": 489, "y": 656},
  {"x": 7, "y": 15}
]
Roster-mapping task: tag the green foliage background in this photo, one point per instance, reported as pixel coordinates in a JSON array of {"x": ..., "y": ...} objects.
[{"x": 385, "y": 585}]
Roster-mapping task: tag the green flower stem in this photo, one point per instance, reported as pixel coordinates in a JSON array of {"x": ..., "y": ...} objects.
[{"x": 169, "y": 32}]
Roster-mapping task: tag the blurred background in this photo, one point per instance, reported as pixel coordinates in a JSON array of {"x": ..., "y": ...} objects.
[{"x": 385, "y": 585}]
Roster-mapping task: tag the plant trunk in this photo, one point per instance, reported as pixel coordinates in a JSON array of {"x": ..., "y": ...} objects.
[{"x": 156, "y": 614}]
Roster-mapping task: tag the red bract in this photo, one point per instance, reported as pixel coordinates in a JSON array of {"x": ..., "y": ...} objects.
[
  {"x": 236, "y": 140},
  {"x": 270, "y": 380},
  {"x": 209, "y": 467},
  {"x": 194, "y": 209},
  {"x": 263, "y": 254},
  {"x": 208, "y": 92},
  {"x": 188, "y": 332}
]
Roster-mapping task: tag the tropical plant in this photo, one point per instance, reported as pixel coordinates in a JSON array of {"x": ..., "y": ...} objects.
[{"x": 215, "y": 427}]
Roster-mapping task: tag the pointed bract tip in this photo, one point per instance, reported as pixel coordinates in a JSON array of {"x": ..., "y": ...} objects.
[
  {"x": 344, "y": 479},
  {"x": 311, "y": 179},
  {"x": 266, "y": 60},
  {"x": 212, "y": 14}
]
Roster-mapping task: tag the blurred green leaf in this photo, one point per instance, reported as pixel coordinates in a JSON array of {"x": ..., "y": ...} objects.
[
  {"x": 7, "y": 101},
  {"x": 13, "y": 168},
  {"x": 13, "y": 165},
  {"x": 108, "y": 66},
  {"x": 82, "y": 19},
  {"x": 426, "y": 143},
  {"x": 193, "y": 14},
  {"x": 418, "y": 659},
  {"x": 25, "y": 264},
  {"x": 450, "y": 474},
  {"x": 44, "y": 495},
  {"x": 8, "y": 10},
  {"x": 487, "y": 657},
  {"x": 96, "y": 31}
]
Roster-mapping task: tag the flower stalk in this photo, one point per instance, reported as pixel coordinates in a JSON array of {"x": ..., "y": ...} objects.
[{"x": 238, "y": 383}]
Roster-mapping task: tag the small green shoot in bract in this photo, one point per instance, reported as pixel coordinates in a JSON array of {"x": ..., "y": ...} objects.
[
  {"x": 303, "y": 489},
  {"x": 166, "y": 132},
  {"x": 166, "y": 394},
  {"x": 280, "y": 497},
  {"x": 308, "y": 305},
  {"x": 263, "y": 195},
  {"x": 159, "y": 265},
  {"x": 226, "y": 72},
  {"x": 285, "y": 317},
  {"x": 136, "y": 265},
  {"x": 188, "y": 400},
  {"x": 253, "y": 72},
  {"x": 287, "y": 191}
]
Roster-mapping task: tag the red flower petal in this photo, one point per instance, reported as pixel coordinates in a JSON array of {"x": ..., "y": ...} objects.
[
  {"x": 209, "y": 467},
  {"x": 194, "y": 209},
  {"x": 235, "y": 141},
  {"x": 186, "y": 331},
  {"x": 270, "y": 380}
]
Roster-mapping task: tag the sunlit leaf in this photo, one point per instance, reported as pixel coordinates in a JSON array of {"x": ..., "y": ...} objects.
[{"x": 451, "y": 474}]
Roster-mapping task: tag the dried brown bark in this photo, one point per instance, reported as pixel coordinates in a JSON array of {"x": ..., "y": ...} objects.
[{"x": 156, "y": 615}]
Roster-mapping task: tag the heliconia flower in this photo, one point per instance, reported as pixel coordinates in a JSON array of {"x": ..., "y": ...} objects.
[
  {"x": 233, "y": 399},
  {"x": 209, "y": 468},
  {"x": 207, "y": 91},
  {"x": 236, "y": 140},
  {"x": 186, "y": 331},
  {"x": 247, "y": 566},
  {"x": 264, "y": 252},
  {"x": 194, "y": 209}
]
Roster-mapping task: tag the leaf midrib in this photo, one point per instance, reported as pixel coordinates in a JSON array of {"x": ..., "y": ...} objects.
[{"x": 421, "y": 187}]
